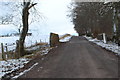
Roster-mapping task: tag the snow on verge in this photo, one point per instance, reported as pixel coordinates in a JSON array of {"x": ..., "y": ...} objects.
[
  {"x": 65, "y": 39},
  {"x": 25, "y": 71},
  {"x": 15, "y": 64},
  {"x": 109, "y": 46},
  {"x": 12, "y": 65},
  {"x": 45, "y": 51}
]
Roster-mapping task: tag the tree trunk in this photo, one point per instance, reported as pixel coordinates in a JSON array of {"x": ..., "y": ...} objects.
[
  {"x": 20, "y": 47},
  {"x": 117, "y": 26},
  {"x": 118, "y": 32},
  {"x": 24, "y": 32},
  {"x": 25, "y": 14}
]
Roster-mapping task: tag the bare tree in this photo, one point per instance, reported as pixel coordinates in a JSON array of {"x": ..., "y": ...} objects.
[
  {"x": 21, "y": 15},
  {"x": 116, "y": 17},
  {"x": 88, "y": 18},
  {"x": 25, "y": 16},
  {"x": 116, "y": 20}
]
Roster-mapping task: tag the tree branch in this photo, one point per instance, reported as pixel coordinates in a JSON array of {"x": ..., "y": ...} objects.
[{"x": 31, "y": 5}]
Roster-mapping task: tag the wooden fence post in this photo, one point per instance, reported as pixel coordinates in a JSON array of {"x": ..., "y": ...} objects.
[
  {"x": 3, "y": 54},
  {"x": 17, "y": 52},
  {"x": 6, "y": 48}
]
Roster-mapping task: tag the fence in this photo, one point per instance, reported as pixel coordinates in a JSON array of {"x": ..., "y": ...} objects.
[{"x": 7, "y": 51}]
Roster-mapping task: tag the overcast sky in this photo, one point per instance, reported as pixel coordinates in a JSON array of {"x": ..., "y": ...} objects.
[
  {"x": 54, "y": 17},
  {"x": 55, "y": 20}
]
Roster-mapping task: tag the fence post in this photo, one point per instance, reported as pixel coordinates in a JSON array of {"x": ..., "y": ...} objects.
[
  {"x": 17, "y": 52},
  {"x": 6, "y": 48},
  {"x": 3, "y": 54},
  {"x": 104, "y": 38}
]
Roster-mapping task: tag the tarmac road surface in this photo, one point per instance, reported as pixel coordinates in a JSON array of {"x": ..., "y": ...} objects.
[{"x": 77, "y": 58}]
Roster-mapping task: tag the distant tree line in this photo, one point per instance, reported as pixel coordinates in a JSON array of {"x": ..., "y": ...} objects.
[{"x": 94, "y": 18}]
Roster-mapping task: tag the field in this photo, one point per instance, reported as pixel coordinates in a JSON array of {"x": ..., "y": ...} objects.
[{"x": 30, "y": 40}]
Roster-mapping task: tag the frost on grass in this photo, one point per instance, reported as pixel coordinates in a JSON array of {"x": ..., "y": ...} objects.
[
  {"x": 109, "y": 46},
  {"x": 45, "y": 51},
  {"x": 15, "y": 64},
  {"x": 25, "y": 71},
  {"x": 12, "y": 65}
]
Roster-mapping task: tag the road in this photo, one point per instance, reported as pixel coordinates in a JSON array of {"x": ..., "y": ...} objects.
[{"x": 77, "y": 58}]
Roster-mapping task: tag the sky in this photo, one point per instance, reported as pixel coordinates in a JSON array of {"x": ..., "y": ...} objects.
[{"x": 54, "y": 18}]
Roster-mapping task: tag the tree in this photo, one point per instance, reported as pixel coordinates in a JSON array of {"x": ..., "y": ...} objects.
[
  {"x": 88, "y": 18},
  {"x": 116, "y": 6},
  {"x": 25, "y": 16},
  {"x": 116, "y": 20},
  {"x": 21, "y": 15}
]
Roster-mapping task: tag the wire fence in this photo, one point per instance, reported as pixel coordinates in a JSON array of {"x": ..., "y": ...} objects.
[{"x": 7, "y": 51}]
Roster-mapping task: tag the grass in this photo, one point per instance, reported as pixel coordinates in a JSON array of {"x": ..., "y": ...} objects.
[{"x": 32, "y": 55}]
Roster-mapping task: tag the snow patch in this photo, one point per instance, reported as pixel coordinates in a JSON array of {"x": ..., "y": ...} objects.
[
  {"x": 45, "y": 51},
  {"x": 109, "y": 46},
  {"x": 65, "y": 39},
  {"x": 25, "y": 71},
  {"x": 12, "y": 65}
]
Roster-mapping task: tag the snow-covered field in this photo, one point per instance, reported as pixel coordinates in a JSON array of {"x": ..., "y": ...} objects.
[
  {"x": 109, "y": 46},
  {"x": 30, "y": 40}
]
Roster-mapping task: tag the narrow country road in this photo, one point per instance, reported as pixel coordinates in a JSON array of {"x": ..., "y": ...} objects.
[{"x": 77, "y": 58}]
